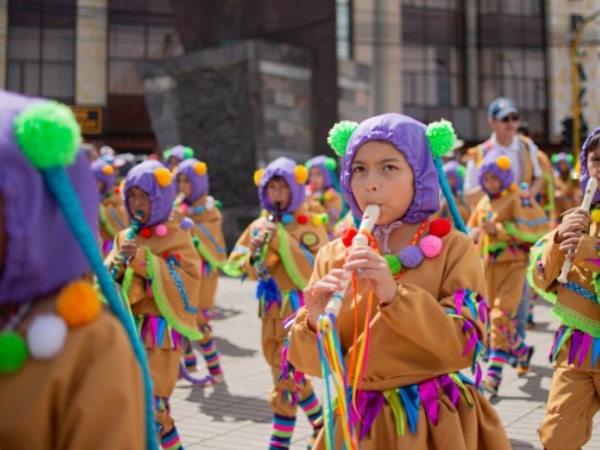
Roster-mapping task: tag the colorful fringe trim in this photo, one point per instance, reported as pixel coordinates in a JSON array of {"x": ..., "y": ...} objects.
[
  {"x": 582, "y": 344},
  {"x": 158, "y": 329},
  {"x": 268, "y": 294},
  {"x": 479, "y": 311},
  {"x": 406, "y": 401}
]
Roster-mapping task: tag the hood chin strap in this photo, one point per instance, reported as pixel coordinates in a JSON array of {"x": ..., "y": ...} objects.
[{"x": 382, "y": 233}]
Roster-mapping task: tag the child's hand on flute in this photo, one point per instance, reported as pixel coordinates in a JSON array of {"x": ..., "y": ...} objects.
[
  {"x": 373, "y": 267},
  {"x": 317, "y": 295},
  {"x": 570, "y": 230}
]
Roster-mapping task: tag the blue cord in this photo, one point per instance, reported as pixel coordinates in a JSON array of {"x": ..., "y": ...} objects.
[
  {"x": 60, "y": 186},
  {"x": 456, "y": 217}
]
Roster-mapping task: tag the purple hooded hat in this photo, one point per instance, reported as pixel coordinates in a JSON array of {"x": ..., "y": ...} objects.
[
  {"x": 181, "y": 152},
  {"x": 490, "y": 164},
  {"x": 319, "y": 162},
  {"x": 408, "y": 136},
  {"x": 283, "y": 167},
  {"x": 143, "y": 176},
  {"x": 98, "y": 169},
  {"x": 456, "y": 171},
  {"x": 585, "y": 176},
  {"x": 199, "y": 182},
  {"x": 42, "y": 255}
]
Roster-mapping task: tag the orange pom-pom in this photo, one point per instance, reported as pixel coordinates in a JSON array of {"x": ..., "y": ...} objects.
[
  {"x": 200, "y": 168},
  {"x": 108, "y": 170},
  {"x": 440, "y": 227},
  {"x": 503, "y": 162},
  {"x": 78, "y": 303},
  {"x": 301, "y": 174},
  {"x": 347, "y": 236},
  {"x": 163, "y": 176},
  {"x": 258, "y": 175},
  {"x": 513, "y": 187}
]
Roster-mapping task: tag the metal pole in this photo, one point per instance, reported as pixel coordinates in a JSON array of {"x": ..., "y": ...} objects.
[{"x": 575, "y": 82}]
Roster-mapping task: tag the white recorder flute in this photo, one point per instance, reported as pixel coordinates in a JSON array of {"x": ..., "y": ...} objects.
[
  {"x": 590, "y": 190},
  {"x": 369, "y": 219},
  {"x": 178, "y": 200}
]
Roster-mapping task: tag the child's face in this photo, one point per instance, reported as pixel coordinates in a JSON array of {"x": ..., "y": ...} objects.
[
  {"x": 278, "y": 191},
  {"x": 381, "y": 176},
  {"x": 139, "y": 201},
  {"x": 593, "y": 163},
  {"x": 100, "y": 186},
  {"x": 184, "y": 185},
  {"x": 492, "y": 183},
  {"x": 315, "y": 178},
  {"x": 173, "y": 161},
  {"x": 563, "y": 166}
]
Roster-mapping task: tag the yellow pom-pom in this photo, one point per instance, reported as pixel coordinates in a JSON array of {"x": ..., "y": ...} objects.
[
  {"x": 258, "y": 175},
  {"x": 163, "y": 176},
  {"x": 504, "y": 193},
  {"x": 200, "y": 168},
  {"x": 596, "y": 215},
  {"x": 503, "y": 162},
  {"x": 108, "y": 170},
  {"x": 316, "y": 220},
  {"x": 78, "y": 303},
  {"x": 301, "y": 174},
  {"x": 513, "y": 187},
  {"x": 327, "y": 196}
]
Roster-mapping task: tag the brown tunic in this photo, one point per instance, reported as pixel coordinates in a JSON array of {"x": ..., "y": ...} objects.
[
  {"x": 413, "y": 340},
  {"x": 88, "y": 396}
]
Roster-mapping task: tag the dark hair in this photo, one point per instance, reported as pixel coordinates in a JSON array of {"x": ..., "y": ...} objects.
[{"x": 593, "y": 144}]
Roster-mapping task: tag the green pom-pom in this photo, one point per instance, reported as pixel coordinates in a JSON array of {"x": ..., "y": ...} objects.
[
  {"x": 460, "y": 170},
  {"x": 339, "y": 136},
  {"x": 330, "y": 164},
  {"x": 196, "y": 242},
  {"x": 554, "y": 158},
  {"x": 441, "y": 137},
  {"x": 48, "y": 134},
  {"x": 13, "y": 352},
  {"x": 219, "y": 205},
  {"x": 394, "y": 263},
  {"x": 570, "y": 159},
  {"x": 188, "y": 152}
]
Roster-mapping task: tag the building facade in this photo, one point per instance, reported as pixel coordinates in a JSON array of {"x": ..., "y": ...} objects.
[{"x": 430, "y": 59}]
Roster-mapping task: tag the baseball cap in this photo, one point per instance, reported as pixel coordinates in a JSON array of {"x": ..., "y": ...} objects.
[{"x": 502, "y": 107}]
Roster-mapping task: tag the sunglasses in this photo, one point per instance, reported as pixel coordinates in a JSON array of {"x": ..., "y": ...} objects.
[{"x": 510, "y": 118}]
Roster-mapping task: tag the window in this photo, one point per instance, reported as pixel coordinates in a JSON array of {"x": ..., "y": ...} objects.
[
  {"x": 41, "y": 48},
  {"x": 139, "y": 30}
]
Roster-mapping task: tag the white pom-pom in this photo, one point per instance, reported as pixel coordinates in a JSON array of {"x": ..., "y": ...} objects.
[
  {"x": 210, "y": 202},
  {"x": 46, "y": 336}
]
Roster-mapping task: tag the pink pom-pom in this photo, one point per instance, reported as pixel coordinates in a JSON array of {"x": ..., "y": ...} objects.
[
  {"x": 411, "y": 256},
  {"x": 161, "y": 230},
  {"x": 184, "y": 208},
  {"x": 431, "y": 246}
]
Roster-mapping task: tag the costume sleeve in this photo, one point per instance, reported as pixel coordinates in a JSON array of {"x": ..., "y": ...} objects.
[
  {"x": 113, "y": 253},
  {"x": 239, "y": 261},
  {"x": 105, "y": 402},
  {"x": 586, "y": 255},
  {"x": 545, "y": 263}
]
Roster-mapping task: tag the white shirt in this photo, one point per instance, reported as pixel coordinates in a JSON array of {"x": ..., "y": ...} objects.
[{"x": 513, "y": 151}]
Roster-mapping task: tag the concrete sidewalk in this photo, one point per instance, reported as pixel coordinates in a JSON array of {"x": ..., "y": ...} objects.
[{"x": 236, "y": 415}]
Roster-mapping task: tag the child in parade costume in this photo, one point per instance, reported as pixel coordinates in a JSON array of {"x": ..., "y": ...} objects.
[
  {"x": 161, "y": 282},
  {"x": 69, "y": 378},
  {"x": 422, "y": 294},
  {"x": 504, "y": 224},
  {"x": 175, "y": 155},
  {"x": 455, "y": 173},
  {"x": 113, "y": 217},
  {"x": 573, "y": 399},
  {"x": 568, "y": 191},
  {"x": 322, "y": 193},
  {"x": 201, "y": 208},
  {"x": 280, "y": 252}
]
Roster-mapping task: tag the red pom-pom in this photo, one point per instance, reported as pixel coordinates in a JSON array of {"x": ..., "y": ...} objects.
[
  {"x": 347, "y": 236},
  {"x": 302, "y": 219},
  {"x": 146, "y": 233},
  {"x": 440, "y": 227}
]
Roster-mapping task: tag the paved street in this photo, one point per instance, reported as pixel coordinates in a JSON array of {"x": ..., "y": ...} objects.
[{"x": 237, "y": 416}]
